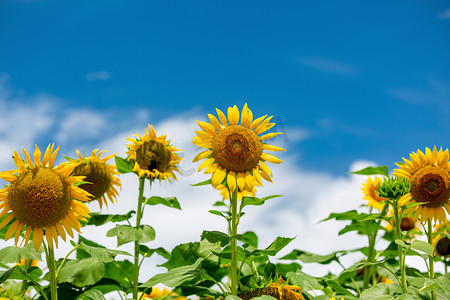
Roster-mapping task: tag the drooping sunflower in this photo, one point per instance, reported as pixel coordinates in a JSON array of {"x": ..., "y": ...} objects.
[
  {"x": 369, "y": 189},
  {"x": 234, "y": 151},
  {"x": 42, "y": 199},
  {"x": 153, "y": 156},
  {"x": 280, "y": 290},
  {"x": 103, "y": 178},
  {"x": 440, "y": 242},
  {"x": 430, "y": 183}
]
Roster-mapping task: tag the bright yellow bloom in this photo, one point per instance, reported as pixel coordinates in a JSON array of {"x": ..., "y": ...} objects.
[
  {"x": 41, "y": 199},
  {"x": 225, "y": 193},
  {"x": 234, "y": 151},
  {"x": 102, "y": 177},
  {"x": 430, "y": 183},
  {"x": 153, "y": 156},
  {"x": 164, "y": 294},
  {"x": 370, "y": 188},
  {"x": 32, "y": 263},
  {"x": 279, "y": 290}
]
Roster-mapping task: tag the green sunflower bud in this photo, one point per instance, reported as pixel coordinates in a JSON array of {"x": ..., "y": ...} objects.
[{"x": 393, "y": 187}]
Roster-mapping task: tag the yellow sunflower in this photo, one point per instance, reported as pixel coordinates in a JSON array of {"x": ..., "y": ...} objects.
[
  {"x": 42, "y": 199},
  {"x": 441, "y": 242},
  {"x": 430, "y": 183},
  {"x": 241, "y": 194},
  {"x": 370, "y": 188},
  {"x": 234, "y": 151},
  {"x": 279, "y": 290},
  {"x": 153, "y": 156},
  {"x": 102, "y": 177},
  {"x": 162, "y": 294}
]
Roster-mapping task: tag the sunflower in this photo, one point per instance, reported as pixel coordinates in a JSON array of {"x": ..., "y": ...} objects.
[
  {"x": 42, "y": 199},
  {"x": 234, "y": 152},
  {"x": 162, "y": 294},
  {"x": 279, "y": 290},
  {"x": 102, "y": 178},
  {"x": 430, "y": 183},
  {"x": 441, "y": 242},
  {"x": 369, "y": 189},
  {"x": 225, "y": 193},
  {"x": 153, "y": 156}
]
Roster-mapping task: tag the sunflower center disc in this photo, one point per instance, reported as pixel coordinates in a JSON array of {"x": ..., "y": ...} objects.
[
  {"x": 407, "y": 224},
  {"x": 97, "y": 174},
  {"x": 431, "y": 184},
  {"x": 39, "y": 197},
  {"x": 152, "y": 155},
  {"x": 443, "y": 246},
  {"x": 236, "y": 148}
]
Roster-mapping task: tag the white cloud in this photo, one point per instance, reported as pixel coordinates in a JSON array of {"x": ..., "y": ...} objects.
[
  {"x": 445, "y": 15},
  {"x": 330, "y": 66},
  {"x": 100, "y": 75}
]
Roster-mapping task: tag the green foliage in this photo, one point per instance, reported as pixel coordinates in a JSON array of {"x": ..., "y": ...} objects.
[
  {"x": 123, "y": 165},
  {"x": 128, "y": 233},
  {"x": 168, "y": 201},
  {"x": 99, "y": 219},
  {"x": 13, "y": 254},
  {"x": 383, "y": 170}
]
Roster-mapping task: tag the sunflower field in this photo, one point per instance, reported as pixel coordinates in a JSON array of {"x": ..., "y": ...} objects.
[{"x": 43, "y": 205}]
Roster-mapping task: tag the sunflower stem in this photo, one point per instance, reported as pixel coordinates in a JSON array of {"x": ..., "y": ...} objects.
[
  {"x": 372, "y": 238},
  {"x": 52, "y": 272},
  {"x": 399, "y": 235},
  {"x": 234, "y": 284},
  {"x": 136, "y": 243},
  {"x": 431, "y": 257}
]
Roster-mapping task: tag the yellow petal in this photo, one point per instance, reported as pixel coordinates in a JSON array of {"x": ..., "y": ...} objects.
[
  {"x": 222, "y": 117},
  {"x": 11, "y": 230},
  {"x": 48, "y": 237},
  {"x": 19, "y": 229},
  {"x": 37, "y": 156},
  {"x": 53, "y": 157},
  {"x": 37, "y": 237},
  {"x": 6, "y": 220},
  {"x": 231, "y": 181},
  {"x": 247, "y": 116},
  {"x": 61, "y": 231},
  {"x": 18, "y": 161},
  {"x": 265, "y": 168},
  {"x": 206, "y": 127},
  {"x": 206, "y": 163},
  {"x": 66, "y": 223},
  {"x": 257, "y": 176},
  {"x": 28, "y": 158},
  {"x": 260, "y": 127},
  {"x": 256, "y": 122},
  {"x": 233, "y": 115},
  {"x": 265, "y": 175},
  {"x": 241, "y": 181},
  {"x": 269, "y": 135},
  {"x": 405, "y": 199},
  {"x": 202, "y": 155},
  {"x": 214, "y": 122},
  {"x": 47, "y": 154},
  {"x": 272, "y": 148},
  {"x": 249, "y": 181},
  {"x": 270, "y": 158},
  {"x": 218, "y": 176}
]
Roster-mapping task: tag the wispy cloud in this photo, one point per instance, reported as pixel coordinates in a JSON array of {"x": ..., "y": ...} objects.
[
  {"x": 445, "y": 15},
  {"x": 330, "y": 66},
  {"x": 436, "y": 91},
  {"x": 100, "y": 75}
]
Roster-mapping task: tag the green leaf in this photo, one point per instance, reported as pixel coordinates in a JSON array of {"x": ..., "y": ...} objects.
[
  {"x": 206, "y": 182},
  {"x": 13, "y": 254},
  {"x": 282, "y": 269},
  {"x": 278, "y": 244},
  {"x": 82, "y": 272},
  {"x": 127, "y": 233},
  {"x": 219, "y": 213},
  {"x": 249, "y": 238},
  {"x": 120, "y": 271},
  {"x": 336, "y": 286},
  {"x": 308, "y": 257},
  {"x": 91, "y": 294},
  {"x": 380, "y": 291},
  {"x": 232, "y": 297},
  {"x": 102, "y": 254},
  {"x": 188, "y": 253},
  {"x": 98, "y": 219},
  {"x": 34, "y": 272},
  {"x": 422, "y": 246},
  {"x": 256, "y": 201},
  {"x": 383, "y": 170},
  {"x": 177, "y": 276},
  {"x": 304, "y": 281},
  {"x": 147, "y": 252},
  {"x": 264, "y": 297},
  {"x": 123, "y": 165},
  {"x": 6, "y": 274},
  {"x": 168, "y": 201},
  {"x": 216, "y": 236}
]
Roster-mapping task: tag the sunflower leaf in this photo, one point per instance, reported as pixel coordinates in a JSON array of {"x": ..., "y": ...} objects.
[
  {"x": 422, "y": 246},
  {"x": 127, "y": 233},
  {"x": 103, "y": 254},
  {"x": 383, "y": 170},
  {"x": 216, "y": 236},
  {"x": 123, "y": 165},
  {"x": 13, "y": 254},
  {"x": 168, "y": 201},
  {"x": 147, "y": 252},
  {"x": 206, "y": 182},
  {"x": 256, "y": 201},
  {"x": 97, "y": 219},
  {"x": 82, "y": 272}
]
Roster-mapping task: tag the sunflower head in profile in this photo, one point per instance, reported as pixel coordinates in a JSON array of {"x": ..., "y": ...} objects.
[
  {"x": 430, "y": 183},
  {"x": 153, "y": 157},
  {"x": 42, "y": 199},
  {"x": 369, "y": 189},
  {"x": 102, "y": 178},
  {"x": 234, "y": 150},
  {"x": 279, "y": 290},
  {"x": 440, "y": 242}
]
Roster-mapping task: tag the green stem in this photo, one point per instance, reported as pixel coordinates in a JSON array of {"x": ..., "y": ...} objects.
[
  {"x": 399, "y": 235},
  {"x": 431, "y": 257},
  {"x": 136, "y": 243},
  {"x": 65, "y": 259},
  {"x": 52, "y": 272},
  {"x": 372, "y": 238},
  {"x": 234, "y": 283}
]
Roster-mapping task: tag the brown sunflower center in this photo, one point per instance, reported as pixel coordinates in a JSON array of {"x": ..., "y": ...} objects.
[
  {"x": 407, "y": 224},
  {"x": 152, "y": 155},
  {"x": 443, "y": 246},
  {"x": 431, "y": 184},
  {"x": 237, "y": 148},
  {"x": 39, "y": 197},
  {"x": 97, "y": 174}
]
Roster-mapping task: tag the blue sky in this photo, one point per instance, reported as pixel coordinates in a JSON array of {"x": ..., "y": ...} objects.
[{"x": 352, "y": 80}]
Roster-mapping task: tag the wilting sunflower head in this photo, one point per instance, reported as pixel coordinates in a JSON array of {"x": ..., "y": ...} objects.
[
  {"x": 430, "y": 183},
  {"x": 102, "y": 178},
  {"x": 42, "y": 199},
  {"x": 153, "y": 156},
  {"x": 370, "y": 191},
  {"x": 280, "y": 290},
  {"x": 234, "y": 150}
]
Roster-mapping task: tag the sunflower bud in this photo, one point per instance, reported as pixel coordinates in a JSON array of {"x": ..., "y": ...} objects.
[{"x": 393, "y": 188}]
